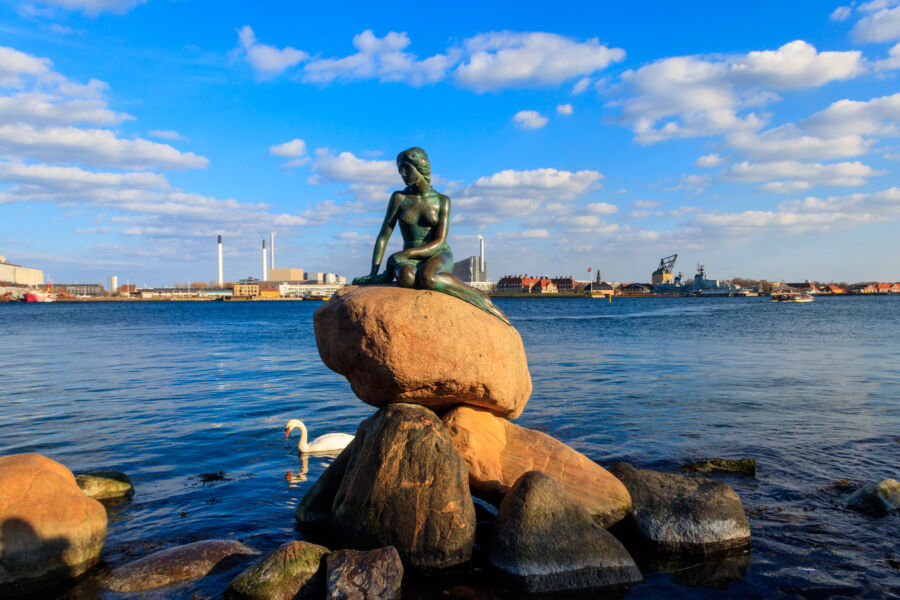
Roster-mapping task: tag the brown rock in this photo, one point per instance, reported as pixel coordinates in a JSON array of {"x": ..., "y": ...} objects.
[
  {"x": 50, "y": 531},
  {"x": 293, "y": 571},
  {"x": 373, "y": 575},
  {"x": 406, "y": 486},
  {"x": 175, "y": 564},
  {"x": 499, "y": 452},
  {"x": 400, "y": 345},
  {"x": 105, "y": 485}
]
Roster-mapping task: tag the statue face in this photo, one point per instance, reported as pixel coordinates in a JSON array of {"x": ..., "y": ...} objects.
[{"x": 409, "y": 173}]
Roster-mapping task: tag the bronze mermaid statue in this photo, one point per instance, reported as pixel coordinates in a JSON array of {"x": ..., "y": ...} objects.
[{"x": 426, "y": 261}]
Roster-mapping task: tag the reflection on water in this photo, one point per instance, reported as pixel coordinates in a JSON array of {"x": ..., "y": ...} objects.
[{"x": 167, "y": 392}]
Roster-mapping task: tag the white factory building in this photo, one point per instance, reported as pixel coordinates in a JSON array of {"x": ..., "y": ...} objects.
[{"x": 21, "y": 275}]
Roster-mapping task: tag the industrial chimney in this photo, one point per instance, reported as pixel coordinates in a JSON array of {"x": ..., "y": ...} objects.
[
  {"x": 483, "y": 269},
  {"x": 265, "y": 274},
  {"x": 221, "y": 281},
  {"x": 272, "y": 250}
]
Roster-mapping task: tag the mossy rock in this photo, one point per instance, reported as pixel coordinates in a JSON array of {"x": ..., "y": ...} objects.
[
  {"x": 293, "y": 571},
  {"x": 742, "y": 466},
  {"x": 105, "y": 485}
]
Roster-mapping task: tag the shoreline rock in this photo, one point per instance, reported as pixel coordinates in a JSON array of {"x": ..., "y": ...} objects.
[
  {"x": 105, "y": 485},
  {"x": 498, "y": 452},
  {"x": 876, "y": 499},
  {"x": 399, "y": 345},
  {"x": 354, "y": 575},
  {"x": 50, "y": 531},
  {"x": 293, "y": 571}
]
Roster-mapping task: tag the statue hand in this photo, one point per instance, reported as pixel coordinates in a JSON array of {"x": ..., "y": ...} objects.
[{"x": 363, "y": 280}]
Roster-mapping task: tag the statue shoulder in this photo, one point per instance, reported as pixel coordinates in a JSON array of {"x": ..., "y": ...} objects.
[{"x": 444, "y": 199}]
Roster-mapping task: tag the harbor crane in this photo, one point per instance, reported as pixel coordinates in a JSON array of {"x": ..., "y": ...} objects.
[{"x": 663, "y": 273}]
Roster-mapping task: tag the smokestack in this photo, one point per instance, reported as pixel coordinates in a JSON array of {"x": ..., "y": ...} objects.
[
  {"x": 221, "y": 281},
  {"x": 482, "y": 261},
  {"x": 272, "y": 250},
  {"x": 265, "y": 274}
]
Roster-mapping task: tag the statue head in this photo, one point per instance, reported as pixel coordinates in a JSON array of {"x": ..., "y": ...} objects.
[{"x": 416, "y": 157}]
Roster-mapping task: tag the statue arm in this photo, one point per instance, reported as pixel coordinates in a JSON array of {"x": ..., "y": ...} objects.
[
  {"x": 436, "y": 245},
  {"x": 387, "y": 228}
]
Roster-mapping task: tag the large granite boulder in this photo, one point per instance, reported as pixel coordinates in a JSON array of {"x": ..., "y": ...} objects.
[
  {"x": 406, "y": 486},
  {"x": 401, "y": 345},
  {"x": 677, "y": 515},
  {"x": 498, "y": 452},
  {"x": 313, "y": 513},
  {"x": 877, "y": 499},
  {"x": 545, "y": 541},
  {"x": 180, "y": 563},
  {"x": 50, "y": 531},
  {"x": 370, "y": 575},
  {"x": 293, "y": 571}
]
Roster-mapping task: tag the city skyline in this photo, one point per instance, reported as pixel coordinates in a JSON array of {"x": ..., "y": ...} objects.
[{"x": 759, "y": 141}]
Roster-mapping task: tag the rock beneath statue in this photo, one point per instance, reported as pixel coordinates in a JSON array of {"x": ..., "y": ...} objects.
[
  {"x": 545, "y": 541},
  {"x": 402, "y": 345},
  {"x": 876, "y": 499},
  {"x": 313, "y": 512},
  {"x": 180, "y": 563},
  {"x": 293, "y": 571},
  {"x": 105, "y": 485},
  {"x": 498, "y": 452},
  {"x": 367, "y": 575},
  {"x": 406, "y": 486},
  {"x": 677, "y": 515},
  {"x": 50, "y": 531}
]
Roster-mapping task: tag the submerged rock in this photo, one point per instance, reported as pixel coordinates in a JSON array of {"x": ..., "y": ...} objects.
[
  {"x": 175, "y": 564},
  {"x": 743, "y": 466},
  {"x": 371, "y": 575},
  {"x": 673, "y": 514},
  {"x": 313, "y": 512},
  {"x": 293, "y": 571},
  {"x": 50, "y": 531},
  {"x": 401, "y": 345},
  {"x": 498, "y": 452},
  {"x": 406, "y": 486},
  {"x": 105, "y": 485},
  {"x": 546, "y": 541},
  {"x": 877, "y": 499}
]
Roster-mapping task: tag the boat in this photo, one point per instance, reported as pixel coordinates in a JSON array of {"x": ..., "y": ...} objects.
[
  {"x": 792, "y": 297},
  {"x": 35, "y": 296}
]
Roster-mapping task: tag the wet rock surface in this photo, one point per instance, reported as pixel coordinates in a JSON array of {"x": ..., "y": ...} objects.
[
  {"x": 406, "y": 486},
  {"x": 293, "y": 571},
  {"x": 741, "y": 466},
  {"x": 498, "y": 452},
  {"x": 180, "y": 563},
  {"x": 877, "y": 499},
  {"x": 105, "y": 485},
  {"x": 313, "y": 513},
  {"x": 546, "y": 541},
  {"x": 50, "y": 531},
  {"x": 368, "y": 575},
  {"x": 677, "y": 515},
  {"x": 401, "y": 345}
]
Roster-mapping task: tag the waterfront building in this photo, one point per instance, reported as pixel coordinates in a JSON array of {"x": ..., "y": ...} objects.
[
  {"x": 603, "y": 288},
  {"x": 285, "y": 275},
  {"x": 246, "y": 289},
  {"x": 635, "y": 288},
  {"x": 565, "y": 285},
  {"x": 92, "y": 290},
  {"x": 471, "y": 269},
  {"x": 525, "y": 284},
  {"x": 214, "y": 292},
  {"x": 127, "y": 289},
  {"x": 302, "y": 290},
  {"x": 544, "y": 286},
  {"x": 21, "y": 275}
]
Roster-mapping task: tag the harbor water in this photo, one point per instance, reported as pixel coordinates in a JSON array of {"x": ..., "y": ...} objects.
[{"x": 190, "y": 400}]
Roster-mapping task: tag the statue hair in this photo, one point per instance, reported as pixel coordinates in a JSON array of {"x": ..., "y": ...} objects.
[{"x": 418, "y": 159}]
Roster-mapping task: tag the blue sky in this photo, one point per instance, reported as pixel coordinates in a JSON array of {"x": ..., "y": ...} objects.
[{"x": 759, "y": 139}]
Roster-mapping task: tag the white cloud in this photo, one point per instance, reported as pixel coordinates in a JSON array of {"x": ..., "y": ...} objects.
[
  {"x": 95, "y": 7},
  {"x": 166, "y": 134},
  {"x": 379, "y": 58},
  {"x": 508, "y": 59},
  {"x": 691, "y": 96},
  {"x": 54, "y": 109},
  {"x": 581, "y": 85},
  {"x": 267, "y": 61},
  {"x": 292, "y": 149},
  {"x": 92, "y": 147},
  {"x": 841, "y": 13},
  {"x": 878, "y": 116},
  {"x": 791, "y": 142},
  {"x": 883, "y": 25},
  {"x": 349, "y": 168},
  {"x": 529, "y": 119},
  {"x": 602, "y": 208},
  {"x": 754, "y": 222},
  {"x": 564, "y": 109},
  {"x": 790, "y": 176},
  {"x": 709, "y": 161},
  {"x": 534, "y": 234},
  {"x": 14, "y": 64},
  {"x": 646, "y": 203}
]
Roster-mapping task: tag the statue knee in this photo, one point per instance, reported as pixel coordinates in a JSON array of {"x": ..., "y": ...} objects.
[
  {"x": 406, "y": 277},
  {"x": 429, "y": 281}
]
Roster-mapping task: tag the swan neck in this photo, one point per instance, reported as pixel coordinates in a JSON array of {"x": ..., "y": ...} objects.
[{"x": 303, "y": 445}]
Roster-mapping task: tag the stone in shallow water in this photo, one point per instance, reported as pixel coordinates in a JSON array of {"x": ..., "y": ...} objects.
[
  {"x": 498, "y": 452},
  {"x": 372, "y": 575},
  {"x": 877, "y": 499},
  {"x": 105, "y": 485},
  {"x": 673, "y": 514},
  {"x": 175, "y": 564},
  {"x": 400, "y": 345},
  {"x": 406, "y": 486},
  {"x": 293, "y": 571},
  {"x": 545, "y": 541},
  {"x": 50, "y": 531},
  {"x": 313, "y": 512}
]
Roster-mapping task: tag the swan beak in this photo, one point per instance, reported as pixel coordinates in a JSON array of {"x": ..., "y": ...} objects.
[{"x": 287, "y": 433}]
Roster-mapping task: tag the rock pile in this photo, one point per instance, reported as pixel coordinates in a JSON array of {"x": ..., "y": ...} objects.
[{"x": 448, "y": 379}]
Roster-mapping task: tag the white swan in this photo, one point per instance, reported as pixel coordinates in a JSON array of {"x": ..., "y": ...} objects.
[{"x": 330, "y": 442}]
